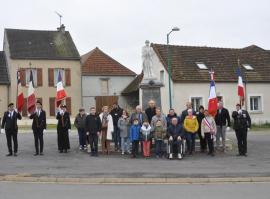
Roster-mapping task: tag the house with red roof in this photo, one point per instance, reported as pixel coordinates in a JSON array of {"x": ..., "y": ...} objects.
[{"x": 103, "y": 80}]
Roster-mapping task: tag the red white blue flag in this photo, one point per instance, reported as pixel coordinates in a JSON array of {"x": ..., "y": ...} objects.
[
  {"x": 31, "y": 98},
  {"x": 212, "y": 100},
  {"x": 20, "y": 96},
  {"x": 240, "y": 87},
  {"x": 60, "y": 91}
]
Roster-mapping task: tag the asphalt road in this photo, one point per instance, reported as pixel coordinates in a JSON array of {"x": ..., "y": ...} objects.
[
  {"x": 186, "y": 191},
  {"x": 79, "y": 164}
]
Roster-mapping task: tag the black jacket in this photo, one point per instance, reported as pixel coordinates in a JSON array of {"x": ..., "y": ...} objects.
[
  {"x": 185, "y": 114},
  {"x": 92, "y": 124},
  {"x": 150, "y": 112},
  {"x": 63, "y": 121},
  {"x": 223, "y": 118},
  {"x": 200, "y": 117},
  {"x": 116, "y": 113},
  {"x": 175, "y": 131},
  {"x": 10, "y": 123},
  {"x": 39, "y": 122},
  {"x": 241, "y": 121}
]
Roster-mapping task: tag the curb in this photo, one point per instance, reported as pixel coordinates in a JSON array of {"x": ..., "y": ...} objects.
[{"x": 61, "y": 180}]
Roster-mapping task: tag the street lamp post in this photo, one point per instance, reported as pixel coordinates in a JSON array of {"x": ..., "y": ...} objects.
[{"x": 169, "y": 63}]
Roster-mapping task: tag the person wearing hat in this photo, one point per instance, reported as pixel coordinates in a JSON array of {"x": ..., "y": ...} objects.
[
  {"x": 9, "y": 123},
  {"x": 242, "y": 123},
  {"x": 79, "y": 123},
  {"x": 39, "y": 126},
  {"x": 63, "y": 129}
]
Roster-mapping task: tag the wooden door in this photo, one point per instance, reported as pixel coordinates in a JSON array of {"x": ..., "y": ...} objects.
[{"x": 105, "y": 101}]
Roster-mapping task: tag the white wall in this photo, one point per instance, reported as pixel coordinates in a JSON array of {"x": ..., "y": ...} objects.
[
  {"x": 182, "y": 92},
  {"x": 91, "y": 87}
]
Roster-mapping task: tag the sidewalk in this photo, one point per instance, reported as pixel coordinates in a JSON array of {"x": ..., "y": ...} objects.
[{"x": 78, "y": 166}]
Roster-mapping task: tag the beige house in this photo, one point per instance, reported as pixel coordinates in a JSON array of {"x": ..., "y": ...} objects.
[
  {"x": 190, "y": 77},
  {"x": 4, "y": 83},
  {"x": 45, "y": 53}
]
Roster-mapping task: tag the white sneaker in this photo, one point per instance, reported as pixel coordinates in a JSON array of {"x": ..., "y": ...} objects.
[
  {"x": 170, "y": 156},
  {"x": 180, "y": 156},
  {"x": 123, "y": 153}
]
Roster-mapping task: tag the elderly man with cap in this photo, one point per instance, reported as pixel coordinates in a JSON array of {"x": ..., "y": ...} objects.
[
  {"x": 39, "y": 126},
  {"x": 9, "y": 123},
  {"x": 241, "y": 125},
  {"x": 63, "y": 129}
]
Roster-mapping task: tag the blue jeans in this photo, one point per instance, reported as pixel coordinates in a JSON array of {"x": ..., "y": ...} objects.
[
  {"x": 116, "y": 138},
  {"x": 125, "y": 144},
  {"x": 190, "y": 137},
  {"x": 159, "y": 146},
  {"x": 82, "y": 137}
]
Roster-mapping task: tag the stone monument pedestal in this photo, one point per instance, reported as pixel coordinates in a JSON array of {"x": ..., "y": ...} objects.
[{"x": 151, "y": 91}]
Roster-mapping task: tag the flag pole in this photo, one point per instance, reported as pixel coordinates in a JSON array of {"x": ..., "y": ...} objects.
[
  {"x": 238, "y": 65},
  {"x": 17, "y": 88}
]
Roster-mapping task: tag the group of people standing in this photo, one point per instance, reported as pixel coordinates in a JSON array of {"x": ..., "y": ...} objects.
[
  {"x": 171, "y": 135},
  {"x": 39, "y": 125}
]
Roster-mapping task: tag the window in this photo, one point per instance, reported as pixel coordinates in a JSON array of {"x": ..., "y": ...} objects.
[
  {"x": 201, "y": 65},
  {"x": 255, "y": 103},
  {"x": 27, "y": 76},
  {"x": 104, "y": 85},
  {"x": 196, "y": 103},
  {"x": 162, "y": 76},
  {"x": 248, "y": 67},
  {"x": 56, "y": 72}
]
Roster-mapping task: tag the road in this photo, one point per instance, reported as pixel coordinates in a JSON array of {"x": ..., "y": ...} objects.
[{"x": 186, "y": 191}]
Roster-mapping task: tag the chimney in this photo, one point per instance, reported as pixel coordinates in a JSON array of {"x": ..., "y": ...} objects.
[{"x": 61, "y": 28}]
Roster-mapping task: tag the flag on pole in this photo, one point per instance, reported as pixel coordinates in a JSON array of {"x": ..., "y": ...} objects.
[
  {"x": 212, "y": 100},
  {"x": 20, "y": 97},
  {"x": 240, "y": 87},
  {"x": 31, "y": 98},
  {"x": 60, "y": 91}
]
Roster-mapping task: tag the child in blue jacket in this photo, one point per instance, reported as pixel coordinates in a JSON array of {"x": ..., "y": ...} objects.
[{"x": 134, "y": 136}]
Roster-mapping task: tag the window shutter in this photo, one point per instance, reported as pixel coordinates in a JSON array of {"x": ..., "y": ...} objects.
[
  {"x": 22, "y": 74},
  {"x": 39, "y": 77},
  {"x": 68, "y": 104},
  {"x": 51, "y": 77},
  {"x": 68, "y": 77},
  {"x": 24, "y": 110},
  {"x": 52, "y": 106}
]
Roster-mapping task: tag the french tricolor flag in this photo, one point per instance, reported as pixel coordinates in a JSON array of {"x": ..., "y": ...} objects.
[
  {"x": 31, "y": 98},
  {"x": 240, "y": 86},
  {"x": 60, "y": 91},
  {"x": 20, "y": 97},
  {"x": 212, "y": 100}
]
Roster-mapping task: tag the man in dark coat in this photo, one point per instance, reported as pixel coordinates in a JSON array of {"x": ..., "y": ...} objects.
[
  {"x": 242, "y": 123},
  {"x": 93, "y": 129},
  {"x": 170, "y": 116},
  {"x": 184, "y": 113},
  {"x": 151, "y": 110},
  {"x": 63, "y": 129},
  {"x": 200, "y": 116},
  {"x": 39, "y": 126},
  {"x": 116, "y": 113},
  {"x": 175, "y": 135},
  {"x": 9, "y": 123},
  {"x": 223, "y": 121}
]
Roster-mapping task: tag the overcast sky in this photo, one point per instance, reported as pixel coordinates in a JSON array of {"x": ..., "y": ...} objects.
[{"x": 120, "y": 27}]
